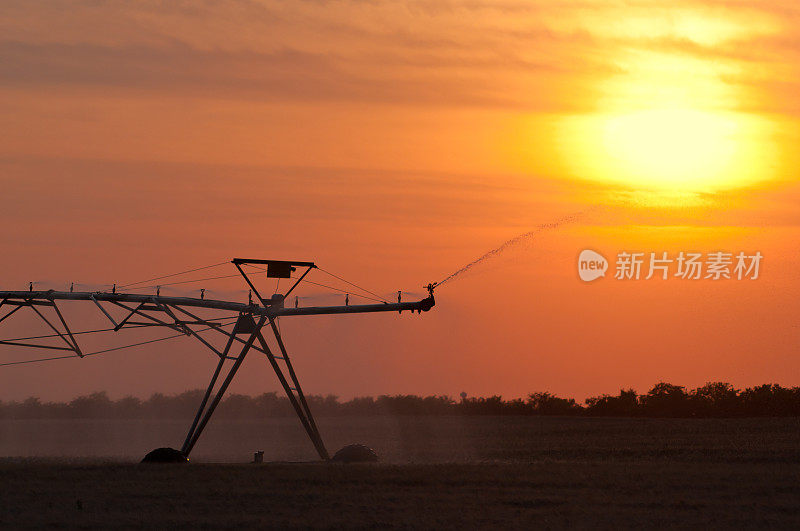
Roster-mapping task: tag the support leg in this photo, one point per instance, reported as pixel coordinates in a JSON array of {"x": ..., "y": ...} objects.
[
  {"x": 222, "y": 358},
  {"x": 215, "y": 402},
  {"x": 301, "y": 396},
  {"x": 303, "y": 412}
]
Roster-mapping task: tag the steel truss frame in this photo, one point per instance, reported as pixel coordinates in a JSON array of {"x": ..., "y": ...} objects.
[{"x": 174, "y": 313}]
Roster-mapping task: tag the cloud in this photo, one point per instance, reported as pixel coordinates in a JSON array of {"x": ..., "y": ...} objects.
[
  {"x": 273, "y": 51},
  {"x": 281, "y": 75},
  {"x": 527, "y": 56}
]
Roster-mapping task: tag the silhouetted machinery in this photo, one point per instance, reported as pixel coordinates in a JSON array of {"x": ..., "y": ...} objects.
[{"x": 250, "y": 321}]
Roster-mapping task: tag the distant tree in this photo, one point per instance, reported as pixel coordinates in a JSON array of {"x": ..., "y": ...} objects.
[
  {"x": 31, "y": 408},
  {"x": 492, "y": 405},
  {"x": 185, "y": 404},
  {"x": 438, "y": 404},
  {"x": 128, "y": 407},
  {"x": 547, "y": 404},
  {"x": 770, "y": 400},
  {"x": 270, "y": 405},
  {"x": 666, "y": 400},
  {"x": 517, "y": 406},
  {"x": 360, "y": 405},
  {"x": 327, "y": 405},
  {"x": 158, "y": 405},
  {"x": 237, "y": 406},
  {"x": 715, "y": 399},
  {"x": 626, "y": 404},
  {"x": 663, "y": 400},
  {"x": 414, "y": 405},
  {"x": 95, "y": 405}
]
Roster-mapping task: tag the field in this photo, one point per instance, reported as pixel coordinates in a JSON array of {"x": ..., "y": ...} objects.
[{"x": 466, "y": 472}]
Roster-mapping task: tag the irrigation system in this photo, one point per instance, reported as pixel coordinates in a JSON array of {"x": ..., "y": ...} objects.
[{"x": 241, "y": 326}]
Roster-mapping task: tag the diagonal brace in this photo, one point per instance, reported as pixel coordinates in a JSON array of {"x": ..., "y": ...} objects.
[
  {"x": 302, "y": 413},
  {"x": 228, "y": 379}
]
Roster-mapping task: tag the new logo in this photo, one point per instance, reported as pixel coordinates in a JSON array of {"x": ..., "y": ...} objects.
[{"x": 591, "y": 265}]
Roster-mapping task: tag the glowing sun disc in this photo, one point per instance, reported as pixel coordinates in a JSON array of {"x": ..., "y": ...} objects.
[
  {"x": 674, "y": 149},
  {"x": 671, "y": 146}
]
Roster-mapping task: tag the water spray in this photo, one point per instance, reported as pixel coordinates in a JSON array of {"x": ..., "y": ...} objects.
[{"x": 572, "y": 218}]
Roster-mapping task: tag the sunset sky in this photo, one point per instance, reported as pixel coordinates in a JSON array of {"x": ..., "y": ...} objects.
[{"x": 394, "y": 142}]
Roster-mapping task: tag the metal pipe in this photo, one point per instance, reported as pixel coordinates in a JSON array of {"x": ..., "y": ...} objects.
[{"x": 422, "y": 305}]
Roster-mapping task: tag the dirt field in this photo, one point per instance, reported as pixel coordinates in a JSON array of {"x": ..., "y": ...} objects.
[
  {"x": 503, "y": 473},
  {"x": 455, "y": 496}
]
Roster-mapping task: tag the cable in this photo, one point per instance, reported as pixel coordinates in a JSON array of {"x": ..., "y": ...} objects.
[
  {"x": 58, "y": 335},
  {"x": 174, "y": 274},
  {"x": 354, "y": 285},
  {"x": 344, "y": 291},
  {"x": 184, "y": 281},
  {"x": 140, "y": 343},
  {"x": 127, "y": 326},
  {"x": 37, "y": 360},
  {"x": 378, "y": 299},
  {"x": 111, "y": 349}
]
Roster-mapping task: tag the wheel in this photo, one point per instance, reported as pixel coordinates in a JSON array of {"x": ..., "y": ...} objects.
[{"x": 165, "y": 455}]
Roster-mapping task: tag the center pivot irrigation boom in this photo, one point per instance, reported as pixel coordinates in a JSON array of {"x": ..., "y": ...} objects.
[{"x": 181, "y": 315}]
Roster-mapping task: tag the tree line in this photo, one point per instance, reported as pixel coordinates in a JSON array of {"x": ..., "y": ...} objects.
[{"x": 715, "y": 399}]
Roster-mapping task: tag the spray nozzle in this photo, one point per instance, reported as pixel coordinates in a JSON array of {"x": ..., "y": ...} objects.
[{"x": 430, "y": 287}]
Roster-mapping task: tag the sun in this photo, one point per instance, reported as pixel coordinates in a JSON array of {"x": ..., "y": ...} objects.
[
  {"x": 670, "y": 147},
  {"x": 676, "y": 149}
]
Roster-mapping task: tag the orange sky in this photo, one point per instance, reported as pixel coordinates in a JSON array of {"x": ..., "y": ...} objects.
[{"x": 394, "y": 142}]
